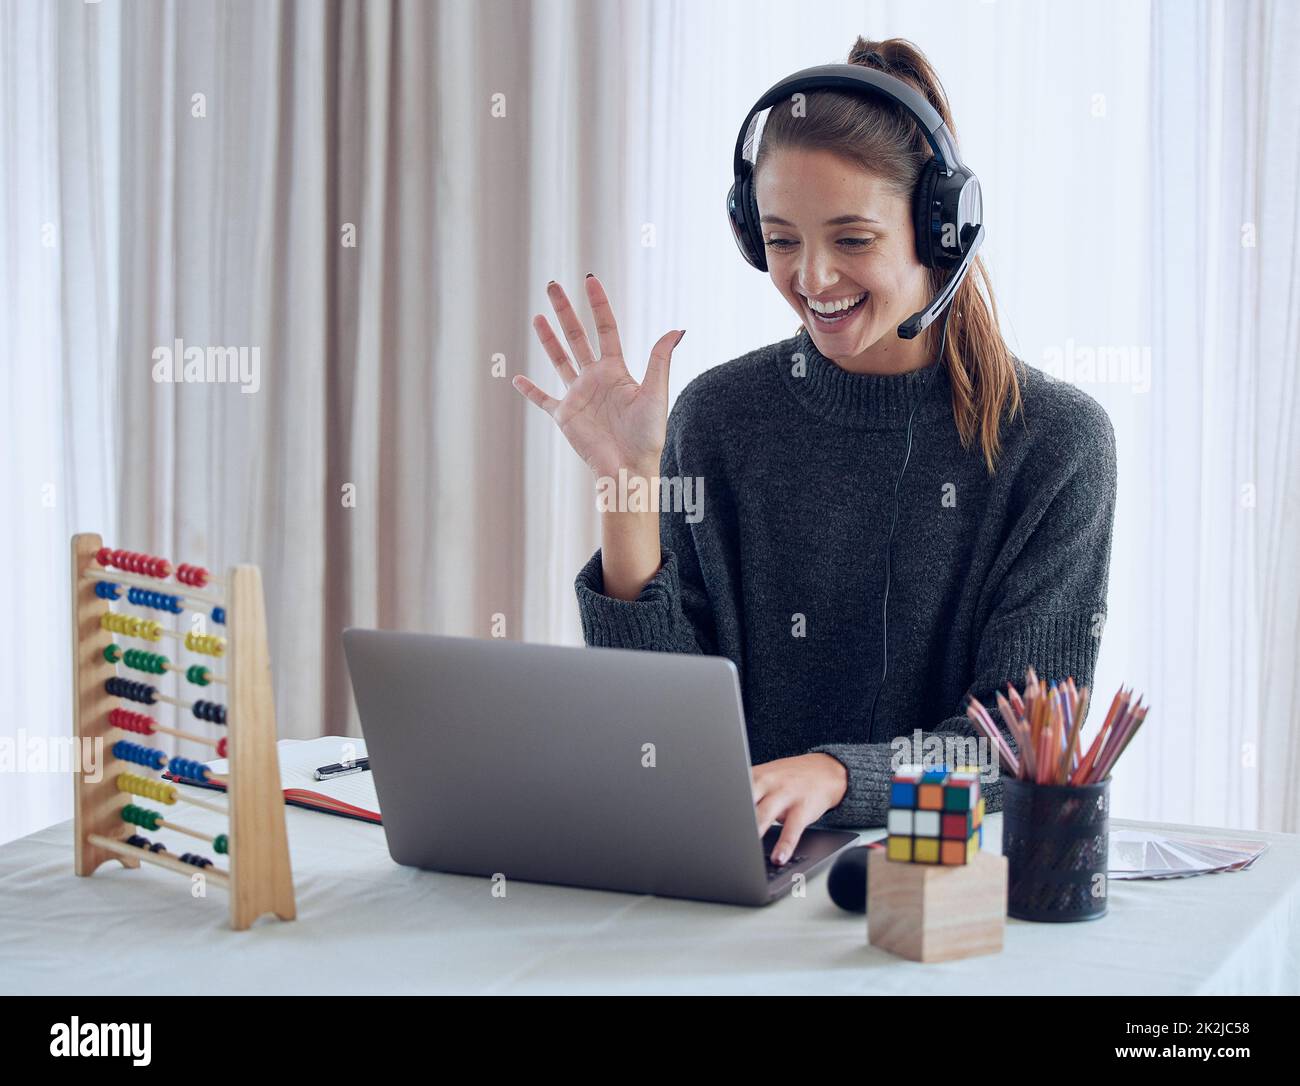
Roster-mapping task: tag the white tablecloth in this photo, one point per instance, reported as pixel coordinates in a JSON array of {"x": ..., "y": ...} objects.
[{"x": 366, "y": 925}]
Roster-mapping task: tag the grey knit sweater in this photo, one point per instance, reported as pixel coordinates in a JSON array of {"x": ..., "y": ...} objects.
[{"x": 784, "y": 571}]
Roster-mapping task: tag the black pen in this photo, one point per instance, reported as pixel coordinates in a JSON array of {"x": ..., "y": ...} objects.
[{"x": 326, "y": 772}]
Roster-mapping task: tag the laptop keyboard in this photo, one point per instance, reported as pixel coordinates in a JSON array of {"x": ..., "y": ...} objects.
[
  {"x": 769, "y": 843},
  {"x": 773, "y": 870}
]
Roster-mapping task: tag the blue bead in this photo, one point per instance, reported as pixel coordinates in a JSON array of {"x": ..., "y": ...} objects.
[{"x": 219, "y": 615}]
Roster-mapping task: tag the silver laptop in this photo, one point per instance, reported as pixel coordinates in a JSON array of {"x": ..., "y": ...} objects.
[{"x": 605, "y": 768}]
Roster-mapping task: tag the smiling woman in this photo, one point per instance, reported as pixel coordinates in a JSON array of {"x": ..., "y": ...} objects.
[
  {"x": 805, "y": 447},
  {"x": 862, "y": 158}
]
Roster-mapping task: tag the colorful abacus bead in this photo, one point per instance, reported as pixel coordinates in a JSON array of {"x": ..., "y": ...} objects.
[
  {"x": 208, "y": 644},
  {"x": 195, "y": 576},
  {"x": 132, "y": 691},
  {"x": 133, "y": 562},
  {"x": 189, "y": 769},
  {"x": 160, "y": 601},
  {"x": 219, "y": 615},
  {"x": 112, "y": 653},
  {"x": 144, "y": 786},
  {"x": 198, "y": 675},
  {"x": 222, "y": 747},
  {"x": 195, "y": 859},
  {"x": 221, "y": 844},
  {"x": 210, "y": 711},
  {"x": 147, "y": 629},
  {"x": 142, "y": 817},
  {"x": 151, "y": 662},
  {"x": 131, "y": 722},
  {"x": 107, "y": 590},
  {"x": 936, "y": 816},
  {"x": 151, "y": 757}
]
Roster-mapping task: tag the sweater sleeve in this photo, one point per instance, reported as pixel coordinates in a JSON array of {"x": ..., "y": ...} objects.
[
  {"x": 1049, "y": 612},
  {"x": 672, "y": 613}
]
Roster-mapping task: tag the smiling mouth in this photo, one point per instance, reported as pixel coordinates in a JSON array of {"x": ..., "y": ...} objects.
[{"x": 838, "y": 318}]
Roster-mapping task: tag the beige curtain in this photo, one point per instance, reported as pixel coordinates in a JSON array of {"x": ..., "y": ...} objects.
[{"x": 358, "y": 203}]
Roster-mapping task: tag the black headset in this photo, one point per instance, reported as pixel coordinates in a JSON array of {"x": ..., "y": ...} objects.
[{"x": 947, "y": 211}]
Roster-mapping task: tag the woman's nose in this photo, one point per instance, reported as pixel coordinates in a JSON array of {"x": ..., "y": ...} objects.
[{"x": 815, "y": 273}]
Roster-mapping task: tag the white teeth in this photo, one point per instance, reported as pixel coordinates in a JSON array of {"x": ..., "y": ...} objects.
[{"x": 834, "y": 307}]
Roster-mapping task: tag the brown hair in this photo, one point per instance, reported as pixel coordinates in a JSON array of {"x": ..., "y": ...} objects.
[{"x": 880, "y": 136}]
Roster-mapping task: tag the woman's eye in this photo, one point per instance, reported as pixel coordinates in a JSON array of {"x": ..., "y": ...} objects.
[{"x": 850, "y": 243}]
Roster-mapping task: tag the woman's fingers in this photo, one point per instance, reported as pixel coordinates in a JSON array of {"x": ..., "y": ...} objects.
[
  {"x": 656, "y": 371},
  {"x": 554, "y": 350},
  {"x": 571, "y": 323},
  {"x": 606, "y": 326},
  {"x": 792, "y": 827},
  {"x": 540, "y": 398}
]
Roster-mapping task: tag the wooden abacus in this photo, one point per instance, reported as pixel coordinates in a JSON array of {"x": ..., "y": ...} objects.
[{"x": 258, "y": 878}]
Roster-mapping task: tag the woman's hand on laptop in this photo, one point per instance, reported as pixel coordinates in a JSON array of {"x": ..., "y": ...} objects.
[
  {"x": 611, "y": 421},
  {"x": 796, "y": 792}
]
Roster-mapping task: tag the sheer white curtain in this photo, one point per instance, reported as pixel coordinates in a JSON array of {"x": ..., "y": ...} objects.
[
  {"x": 475, "y": 150},
  {"x": 1124, "y": 148},
  {"x": 1220, "y": 452}
]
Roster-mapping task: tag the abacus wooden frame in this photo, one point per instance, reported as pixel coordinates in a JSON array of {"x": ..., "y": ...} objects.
[{"x": 260, "y": 879}]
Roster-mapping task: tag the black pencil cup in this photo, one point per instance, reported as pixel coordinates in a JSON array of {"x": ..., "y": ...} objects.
[{"x": 1055, "y": 839}]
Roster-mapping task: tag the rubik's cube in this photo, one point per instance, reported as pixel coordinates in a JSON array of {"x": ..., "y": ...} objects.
[{"x": 936, "y": 816}]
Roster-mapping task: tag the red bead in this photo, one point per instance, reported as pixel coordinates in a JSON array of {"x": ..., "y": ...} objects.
[
  {"x": 192, "y": 575},
  {"x": 131, "y": 722},
  {"x": 104, "y": 556},
  {"x": 221, "y": 747}
]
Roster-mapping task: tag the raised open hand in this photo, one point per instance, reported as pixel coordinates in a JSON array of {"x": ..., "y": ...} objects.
[{"x": 609, "y": 419}]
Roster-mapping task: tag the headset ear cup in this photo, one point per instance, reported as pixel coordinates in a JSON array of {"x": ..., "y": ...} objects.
[
  {"x": 758, "y": 255},
  {"x": 922, "y": 204},
  {"x": 742, "y": 213}
]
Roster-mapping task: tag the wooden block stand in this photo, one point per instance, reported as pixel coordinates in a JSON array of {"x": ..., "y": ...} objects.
[
  {"x": 933, "y": 912},
  {"x": 259, "y": 878}
]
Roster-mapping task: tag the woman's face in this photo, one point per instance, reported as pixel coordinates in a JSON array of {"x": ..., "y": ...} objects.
[{"x": 834, "y": 232}]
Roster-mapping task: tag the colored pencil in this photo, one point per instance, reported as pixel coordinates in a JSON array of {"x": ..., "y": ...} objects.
[{"x": 1047, "y": 721}]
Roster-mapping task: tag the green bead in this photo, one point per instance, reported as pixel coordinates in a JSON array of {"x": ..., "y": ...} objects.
[
  {"x": 113, "y": 653},
  {"x": 141, "y": 816},
  {"x": 197, "y": 674},
  {"x": 222, "y": 844}
]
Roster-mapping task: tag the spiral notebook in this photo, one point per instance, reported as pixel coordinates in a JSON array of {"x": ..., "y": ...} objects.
[{"x": 352, "y": 796}]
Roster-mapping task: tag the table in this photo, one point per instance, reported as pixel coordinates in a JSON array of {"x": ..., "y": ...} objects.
[{"x": 366, "y": 925}]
